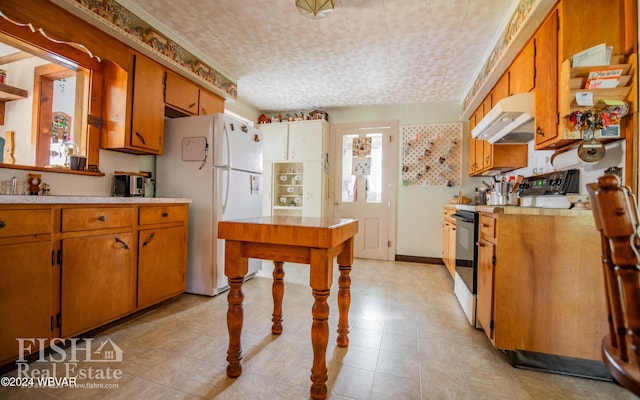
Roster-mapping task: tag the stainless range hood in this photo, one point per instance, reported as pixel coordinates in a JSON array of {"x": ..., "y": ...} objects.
[{"x": 509, "y": 121}]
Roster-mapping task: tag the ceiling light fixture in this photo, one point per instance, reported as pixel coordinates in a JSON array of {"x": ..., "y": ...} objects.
[{"x": 315, "y": 8}]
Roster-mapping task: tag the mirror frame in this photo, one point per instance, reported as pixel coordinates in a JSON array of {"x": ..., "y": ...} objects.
[{"x": 71, "y": 55}]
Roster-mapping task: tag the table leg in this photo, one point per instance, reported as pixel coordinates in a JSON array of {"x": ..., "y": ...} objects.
[
  {"x": 278, "y": 294},
  {"x": 344, "y": 302},
  {"x": 319, "y": 341},
  {"x": 235, "y": 315}
]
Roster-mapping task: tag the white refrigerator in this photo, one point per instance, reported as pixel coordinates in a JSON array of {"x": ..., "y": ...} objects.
[{"x": 216, "y": 161}]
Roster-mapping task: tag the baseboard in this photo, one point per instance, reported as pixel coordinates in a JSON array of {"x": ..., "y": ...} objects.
[
  {"x": 555, "y": 364},
  {"x": 416, "y": 259}
]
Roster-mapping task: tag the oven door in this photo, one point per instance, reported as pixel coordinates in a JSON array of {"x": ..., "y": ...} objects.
[
  {"x": 464, "y": 285},
  {"x": 466, "y": 249}
]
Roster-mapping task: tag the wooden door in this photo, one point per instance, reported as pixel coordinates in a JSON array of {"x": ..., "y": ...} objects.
[
  {"x": 161, "y": 272},
  {"x": 98, "y": 280},
  {"x": 26, "y": 309},
  {"x": 546, "y": 82},
  {"x": 485, "y": 152},
  {"x": 521, "y": 73},
  {"x": 368, "y": 195},
  {"x": 210, "y": 103},
  {"x": 484, "y": 307},
  {"x": 147, "y": 114},
  {"x": 181, "y": 93}
]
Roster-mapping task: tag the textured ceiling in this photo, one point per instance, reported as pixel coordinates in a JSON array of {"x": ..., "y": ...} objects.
[{"x": 368, "y": 52}]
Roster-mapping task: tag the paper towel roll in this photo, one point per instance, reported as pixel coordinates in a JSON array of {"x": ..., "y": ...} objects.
[{"x": 570, "y": 159}]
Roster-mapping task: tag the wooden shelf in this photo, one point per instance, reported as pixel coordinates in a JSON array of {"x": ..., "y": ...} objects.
[
  {"x": 8, "y": 93},
  {"x": 572, "y": 80}
]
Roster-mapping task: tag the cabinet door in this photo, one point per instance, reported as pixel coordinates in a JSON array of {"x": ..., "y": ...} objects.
[
  {"x": 546, "y": 62},
  {"x": 25, "y": 295},
  {"x": 210, "y": 103},
  {"x": 147, "y": 114},
  {"x": 521, "y": 73},
  {"x": 161, "y": 264},
  {"x": 275, "y": 139},
  {"x": 181, "y": 93},
  {"x": 501, "y": 89},
  {"x": 98, "y": 280},
  {"x": 305, "y": 141},
  {"x": 484, "y": 306},
  {"x": 452, "y": 248},
  {"x": 312, "y": 189},
  {"x": 445, "y": 243}
]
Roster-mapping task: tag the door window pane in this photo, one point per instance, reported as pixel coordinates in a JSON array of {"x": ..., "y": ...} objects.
[
  {"x": 349, "y": 181},
  {"x": 373, "y": 184}
]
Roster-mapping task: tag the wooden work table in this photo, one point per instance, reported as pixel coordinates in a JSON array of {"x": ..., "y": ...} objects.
[{"x": 314, "y": 241}]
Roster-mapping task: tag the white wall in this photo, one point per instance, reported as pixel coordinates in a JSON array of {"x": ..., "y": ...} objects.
[
  {"x": 419, "y": 214},
  {"x": 82, "y": 185}
]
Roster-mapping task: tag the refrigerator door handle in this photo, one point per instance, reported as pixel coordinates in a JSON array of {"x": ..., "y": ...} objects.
[
  {"x": 227, "y": 168},
  {"x": 226, "y": 194},
  {"x": 226, "y": 136}
]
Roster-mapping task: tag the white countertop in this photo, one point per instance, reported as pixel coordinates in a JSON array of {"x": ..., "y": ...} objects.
[{"x": 16, "y": 199}]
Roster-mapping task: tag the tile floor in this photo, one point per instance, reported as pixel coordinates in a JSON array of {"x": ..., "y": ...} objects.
[{"x": 409, "y": 340}]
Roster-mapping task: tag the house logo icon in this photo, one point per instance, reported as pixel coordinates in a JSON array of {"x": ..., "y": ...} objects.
[{"x": 108, "y": 351}]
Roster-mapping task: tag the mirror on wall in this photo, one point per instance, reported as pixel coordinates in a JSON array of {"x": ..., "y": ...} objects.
[{"x": 43, "y": 107}]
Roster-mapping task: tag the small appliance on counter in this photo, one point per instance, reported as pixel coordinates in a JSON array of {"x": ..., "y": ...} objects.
[{"x": 128, "y": 184}]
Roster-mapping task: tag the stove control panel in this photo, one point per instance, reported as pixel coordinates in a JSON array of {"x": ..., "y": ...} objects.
[{"x": 555, "y": 183}]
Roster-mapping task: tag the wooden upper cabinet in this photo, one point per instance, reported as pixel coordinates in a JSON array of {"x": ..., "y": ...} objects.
[
  {"x": 501, "y": 89},
  {"x": 546, "y": 94},
  {"x": 188, "y": 98},
  {"x": 210, "y": 103},
  {"x": 584, "y": 24},
  {"x": 522, "y": 70},
  {"x": 147, "y": 115},
  {"x": 472, "y": 145},
  {"x": 475, "y": 163},
  {"x": 133, "y": 106},
  {"x": 181, "y": 93},
  {"x": 483, "y": 149}
]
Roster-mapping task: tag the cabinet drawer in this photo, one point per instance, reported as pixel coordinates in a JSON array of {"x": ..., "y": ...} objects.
[
  {"x": 25, "y": 222},
  {"x": 163, "y": 214},
  {"x": 79, "y": 219},
  {"x": 488, "y": 228}
]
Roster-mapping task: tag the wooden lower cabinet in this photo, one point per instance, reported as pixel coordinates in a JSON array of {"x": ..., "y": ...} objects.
[
  {"x": 161, "y": 254},
  {"x": 486, "y": 276},
  {"x": 26, "y": 306},
  {"x": 540, "y": 282},
  {"x": 68, "y": 269},
  {"x": 449, "y": 241},
  {"x": 98, "y": 281}
]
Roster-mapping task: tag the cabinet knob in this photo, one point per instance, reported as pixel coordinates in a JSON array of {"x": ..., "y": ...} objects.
[
  {"x": 539, "y": 131},
  {"x": 2, "y": 224},
  {"x": 192, "y": 105},
  {"x": 102, "y": 218},
  {"x": 165, "y": 214}
]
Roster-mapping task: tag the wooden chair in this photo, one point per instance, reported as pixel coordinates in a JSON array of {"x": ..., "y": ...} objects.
[{"x": 616, "y": 217}]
